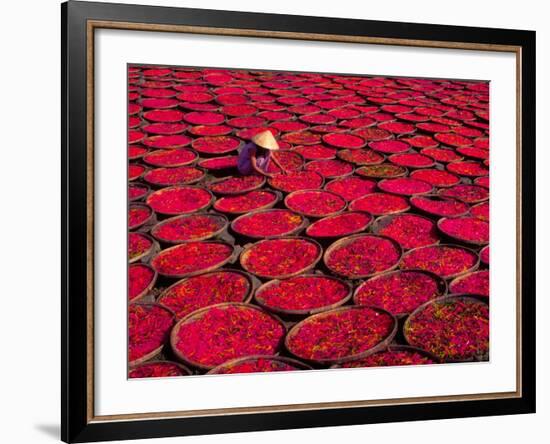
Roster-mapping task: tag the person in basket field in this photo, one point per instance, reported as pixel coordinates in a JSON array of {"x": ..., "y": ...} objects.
[{"x": 256, "y": 155}]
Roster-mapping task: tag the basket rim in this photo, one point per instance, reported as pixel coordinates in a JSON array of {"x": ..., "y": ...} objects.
[
  {"x": 399, "y": 347},
  {"x": 182, "y": 367},
  {"x": 391, "y": 159},
  {"x": 448, "y": 297},
  {"x": 300, "y": 365},
  {"x": 348, "y": 239},
  {"x": 145, "y": 221},
  {"x": 147, "y": 289},
  {"x": 200, "y": 163},
  {"x": 460, "y": 278},
  {"x": 470, "y": 202},
  {"x": 384, "y": 181},
  {"x": 239, "y": 145},
  {"x": 185, "y": 113},
  {"x": 192, "y": 130},
  {"x": 200, "y": 312},
  {"x": 166, "y": 184},
  {"x": 170, "y": 150},
  {"x": 305, "y": 189},
  {"x": 139, "y": 156},
  {"x": 214, "y": 267},
  {"x": 267, "y": 206},
  {"x": 230, "y": 116},
  {"x": 133, "y": 179},
  {"x": 307, "y": 143},
  {"x": 139, "y": 184},
  {"x": 389, "y": 135},
  {"x": 158, "y": 350},
  {"x": 459, "y": 239},
  {"x": 247, "y": 248},
  {"x": 453, "y": 145},
  {"x": 446, "y": 245},
  {"x": 307, "y": 312},
  {"x": 348, "y": 132},
  {"x": 315, "y": 216},
  {"x": 178, "y": 146},
  {"x": 486, "y": 247},
  {"x": 382, "y": 221},
  {"x": 436, "y": 196},
  {"x": 145, "y": 253},
  {"x": 378, "y": 215},
  {"x": 247, "y": 298},
  {"x": 154, "y": 229},
  {"x": 442, "y": 285},
  {"x": 341, "y": 152},
  {"x": 178, "y": 213},
  {"x": 380, "y": 346},
  {"x": 234, "y": 193},
  {"x": 331, "y": 177},
  {"x": 360, "y": 171},
  {"x": 297, "y": 229},
  {"x": 358, "y": 231}
]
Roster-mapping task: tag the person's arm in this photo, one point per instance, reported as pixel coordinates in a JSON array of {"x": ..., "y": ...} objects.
[
  {"x": 261, "y": 167},
  {"x": 256, "y": 167},
  {"x": 274, "y": 159}
]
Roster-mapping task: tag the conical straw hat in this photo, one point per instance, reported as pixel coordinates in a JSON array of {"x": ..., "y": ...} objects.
[{"x": 266, "y": 140}]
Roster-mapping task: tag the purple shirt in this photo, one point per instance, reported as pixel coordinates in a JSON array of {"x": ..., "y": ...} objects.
[{"x": 244, "y": 162}]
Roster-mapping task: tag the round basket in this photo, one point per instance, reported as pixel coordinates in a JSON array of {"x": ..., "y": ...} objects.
[
  {"x": 294, "y": 194},
  {"x": 461, "y": 207},
  {"x": 184, "y": 370},
  {"x": 441, "y": 287},
  {"x": 381, "y": 345},
  {"x": 310, "y": 231},
  {"x": 479, "y": 288},
  {"x": 174, "y": 211},
  {"x": 155, "y": 182},
  {"x": 393, "y": 348},
  {"x": 385, "y": 185},
  {"x": 357, "y": 204},
  {"x": 145, "y": 253},
  {"x": 245, "y": 255},
  {"x": 194, "y": 316},
  {"x": 317, "y": 167},
  {"x": 143, "y": 207},
  {"x": 152, "y": 354},
  {"x": 281, "y": 182},
  {"x": 165, "y": 158},
  {"x": 292, "y": 231},
  {"x": 254, "y": 185},
  {"x": 382, "y": 171},
  {"x": 350, "y": 239},
  {"x": 304, "y": 312},
  {"x": 145, "y": 291},
  {"x": 449, "y": 298},
  {"x": 270, "y": 204},
  {"x": 382, "y": 222},
  {"x": 133, "y": 197},
  {"x": 462, "y": 239},
  {"x": 223, "y": 368},
  {"x": 251, "y": 284},
  {"x": 484, "y": 255},
  {"x": 229, "y": 259},
  {"x": 414, "y": 251},
  {"x": 220, "y": 219},
  {"x": 206, "y": 145}
]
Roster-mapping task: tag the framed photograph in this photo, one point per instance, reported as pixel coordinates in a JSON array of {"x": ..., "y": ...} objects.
[{"x": 275, "y": 221}]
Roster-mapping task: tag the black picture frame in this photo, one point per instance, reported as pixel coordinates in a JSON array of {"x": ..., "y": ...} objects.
[{"x": 76, "y": 423}]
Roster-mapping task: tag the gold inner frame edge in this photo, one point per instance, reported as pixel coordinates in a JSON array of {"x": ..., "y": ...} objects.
[{"x": 98, "y": 24}]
